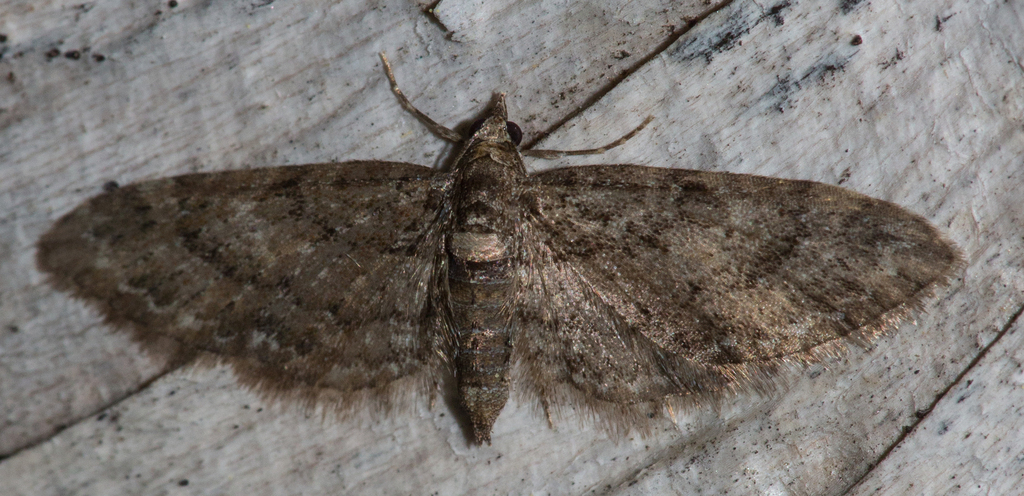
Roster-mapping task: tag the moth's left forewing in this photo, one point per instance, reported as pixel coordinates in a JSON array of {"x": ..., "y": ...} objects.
[
  {"x": 734, "y": 273},
  {"x": 575, "y": 353}
]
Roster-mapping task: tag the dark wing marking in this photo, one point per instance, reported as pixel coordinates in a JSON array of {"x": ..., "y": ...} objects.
[
  {"x": 311, "y": 280},
  {"x": 719, "y": 274}
]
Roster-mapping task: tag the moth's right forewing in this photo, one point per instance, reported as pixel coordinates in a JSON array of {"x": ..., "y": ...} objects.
[{"x": 304, "y": 278}]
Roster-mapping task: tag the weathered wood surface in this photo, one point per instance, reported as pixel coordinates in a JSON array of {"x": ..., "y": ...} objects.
[{"x": 925, "y": 111}]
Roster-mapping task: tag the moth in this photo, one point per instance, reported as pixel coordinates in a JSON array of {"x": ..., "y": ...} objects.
[{"x": 617, "y": 291}]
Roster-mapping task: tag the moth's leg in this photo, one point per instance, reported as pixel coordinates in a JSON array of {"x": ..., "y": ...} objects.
[
  {"x": 591, "y": 151},
  {"x": 436, "y": 128},
  {"x": 671, "y": 413},
  {"x": 547, "y": 412}
]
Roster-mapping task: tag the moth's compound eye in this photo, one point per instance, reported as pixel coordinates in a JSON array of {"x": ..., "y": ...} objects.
[
  {"x": 514, "y": 133},
  {"x": 479, "y": 123}
]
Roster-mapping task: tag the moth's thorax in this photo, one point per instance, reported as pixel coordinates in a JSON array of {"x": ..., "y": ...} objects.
[
  {"x": 503, "y": 154},
  {"x": 489, "y": 182},
  {"x": 483, "y": 256}
]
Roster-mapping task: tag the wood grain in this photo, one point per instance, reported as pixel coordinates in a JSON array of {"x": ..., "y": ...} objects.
[{"x": 924, "y": 112}]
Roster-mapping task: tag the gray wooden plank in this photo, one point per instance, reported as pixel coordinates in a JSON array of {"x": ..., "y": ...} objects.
[
  {"x": 921, "y": 112},
  {"x": 925, "y": 115},
  {"x": 203, "y": 87},
  {"x": 972, "y": 442}
]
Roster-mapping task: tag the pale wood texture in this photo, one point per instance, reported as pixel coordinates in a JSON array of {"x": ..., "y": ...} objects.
[{"x": 924, "y": 111}]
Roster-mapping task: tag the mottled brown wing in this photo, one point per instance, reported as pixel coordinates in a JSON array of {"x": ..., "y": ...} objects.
[
  {"x": 574, "y": 350},
  {"x": 311, "y": 280},
  {"x": 719, "y": 275}
]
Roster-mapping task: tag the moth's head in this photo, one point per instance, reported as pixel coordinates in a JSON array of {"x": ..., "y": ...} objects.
[{"x": 496, "y": 127}]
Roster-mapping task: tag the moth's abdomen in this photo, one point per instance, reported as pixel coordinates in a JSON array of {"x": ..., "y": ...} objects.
[{"x": 480, "y": 285}]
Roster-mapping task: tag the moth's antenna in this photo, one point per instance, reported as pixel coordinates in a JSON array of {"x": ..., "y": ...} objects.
[
  {"x": 434, "y": 127},
  {"x": 591, "y": 151}
]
